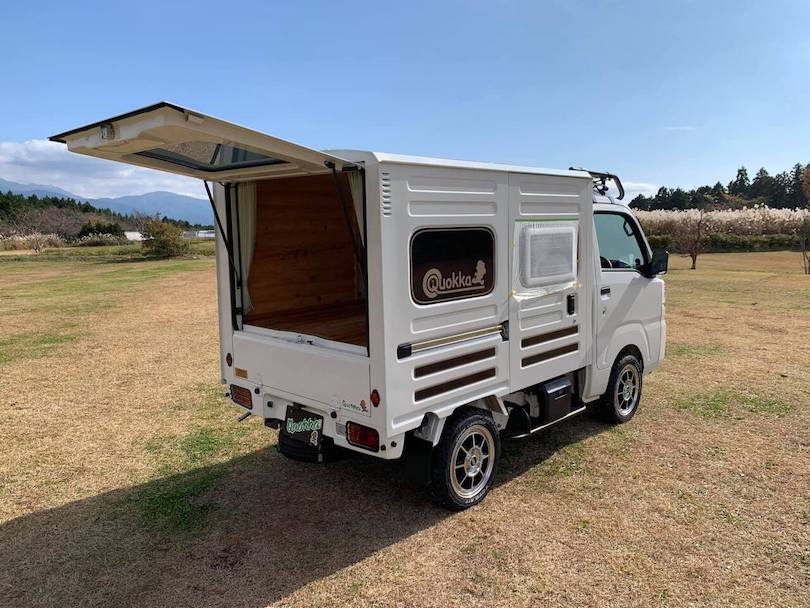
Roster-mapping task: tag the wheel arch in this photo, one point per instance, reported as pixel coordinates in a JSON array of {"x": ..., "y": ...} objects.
[
  {"x": 432, "y": 424},
  {"x": 597, "y": 377},
  {"x": 630, "y": 349}
]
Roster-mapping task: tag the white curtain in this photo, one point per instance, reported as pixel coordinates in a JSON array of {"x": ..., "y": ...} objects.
[
  {"x": 356, "y": 185},
  {"x": 247, "y": 235}
]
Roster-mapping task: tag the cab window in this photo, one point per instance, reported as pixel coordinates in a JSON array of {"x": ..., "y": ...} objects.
[{"x": 619, "y": 241}]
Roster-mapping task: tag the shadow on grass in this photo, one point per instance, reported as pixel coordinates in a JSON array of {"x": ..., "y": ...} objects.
[{"x": 260, "y": 527}]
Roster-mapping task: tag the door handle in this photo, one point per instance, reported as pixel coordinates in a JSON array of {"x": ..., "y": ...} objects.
[
  {"x": 571, "y": 304},
  {"x": 605, "y": 291}
]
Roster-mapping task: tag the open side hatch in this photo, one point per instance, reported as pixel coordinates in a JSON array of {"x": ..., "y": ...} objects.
[
  {"x": 295, "y": 246},
  {"x": 172, "y": 138}
]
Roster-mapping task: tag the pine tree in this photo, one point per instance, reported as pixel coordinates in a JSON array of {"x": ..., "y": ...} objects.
[
  {"x": 780, "y": 185},
  {"x": 762, "y": 185},
  {"x": 796, "y": 196},
  {"x": 741, "y": 184}
]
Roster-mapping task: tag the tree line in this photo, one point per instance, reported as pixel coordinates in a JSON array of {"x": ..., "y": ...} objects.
[
  {"x": 68, "y": 217},
  {"x": 785, "y": 190}
]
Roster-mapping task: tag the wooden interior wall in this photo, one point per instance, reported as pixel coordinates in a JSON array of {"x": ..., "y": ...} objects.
[{"x": 303, "y": 258}]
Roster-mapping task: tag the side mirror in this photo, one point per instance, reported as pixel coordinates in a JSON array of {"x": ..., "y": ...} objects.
[{"x": 659, "y": 264}]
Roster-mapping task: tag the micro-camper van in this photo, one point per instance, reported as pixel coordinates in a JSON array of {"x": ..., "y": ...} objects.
[{"x": 390, "y": 304}]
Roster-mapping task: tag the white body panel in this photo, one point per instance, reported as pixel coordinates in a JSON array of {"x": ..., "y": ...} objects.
[{"x": 414, "y": 197}]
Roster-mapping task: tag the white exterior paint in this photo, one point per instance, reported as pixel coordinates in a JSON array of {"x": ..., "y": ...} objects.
[{"x": 405, "y": 194}]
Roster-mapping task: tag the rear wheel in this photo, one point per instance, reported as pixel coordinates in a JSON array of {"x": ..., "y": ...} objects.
[
  {"x": 465, "y": 460},
  {"x": 620, "y": 402}
]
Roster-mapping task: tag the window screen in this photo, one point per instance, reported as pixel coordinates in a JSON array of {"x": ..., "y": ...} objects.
[
  {"x": 209, "y": 156},
  {"x": 619, "y": 241},
  {"x": 451, "y": 264},
  {"x": 548, "y": 253}
]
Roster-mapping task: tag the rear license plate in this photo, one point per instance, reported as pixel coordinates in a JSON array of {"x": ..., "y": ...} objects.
[{"x": 304, "y": 426}]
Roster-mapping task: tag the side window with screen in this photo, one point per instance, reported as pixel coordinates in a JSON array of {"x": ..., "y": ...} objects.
[
  {"x": 548, "y": 253},
  {"x": 451, "y": 264},
  {"x": 619, "y": 241}
]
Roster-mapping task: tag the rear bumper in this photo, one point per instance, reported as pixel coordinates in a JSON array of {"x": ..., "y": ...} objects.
[{"x": 274, "y": 408}]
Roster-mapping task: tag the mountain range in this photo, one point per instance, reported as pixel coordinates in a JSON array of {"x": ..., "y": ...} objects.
[{"x": 177, "y": 206}]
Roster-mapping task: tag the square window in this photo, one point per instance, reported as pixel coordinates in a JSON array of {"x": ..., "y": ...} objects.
[{"x": 548, "y": 254}]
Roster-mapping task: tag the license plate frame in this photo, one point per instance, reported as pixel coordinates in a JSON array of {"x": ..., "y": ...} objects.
[{"x": 303, "y": 426}]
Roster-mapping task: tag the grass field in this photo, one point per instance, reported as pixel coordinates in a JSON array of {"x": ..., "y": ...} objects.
[{"x": 125, "y": 479}]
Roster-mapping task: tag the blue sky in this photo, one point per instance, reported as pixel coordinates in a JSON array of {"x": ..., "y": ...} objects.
[{"x": 670, "y": 93}]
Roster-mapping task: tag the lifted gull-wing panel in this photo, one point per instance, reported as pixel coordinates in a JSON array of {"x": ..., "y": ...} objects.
[{"x": 171, "y": 138}]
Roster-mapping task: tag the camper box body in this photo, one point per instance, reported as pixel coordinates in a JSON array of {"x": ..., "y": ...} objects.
[
  {"x": 482, "y": 347},
  {"x": 368, "y": 300}
]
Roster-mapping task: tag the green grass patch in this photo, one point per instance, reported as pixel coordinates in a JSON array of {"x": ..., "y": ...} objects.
[
  {"x": 32, "y": 345},
  {"x": 568, "y": 460},
  {"x": 693, "y": 351},
  {"x": 170, "y": 506},
  {"x": 731, "y": 404},
  {"x": 202, "y": 444},
  {"x": 87, "y": 286}
]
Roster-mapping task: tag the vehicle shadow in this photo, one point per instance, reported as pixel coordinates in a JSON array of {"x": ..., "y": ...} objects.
[{"x": 274, "y": 526}]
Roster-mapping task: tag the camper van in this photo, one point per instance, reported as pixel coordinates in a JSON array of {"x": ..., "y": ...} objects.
[{"x": 401, "y": 306}]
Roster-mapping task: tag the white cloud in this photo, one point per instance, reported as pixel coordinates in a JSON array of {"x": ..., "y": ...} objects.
[
  {"x": 48, "y": 163},
  {"x": 633, "y": 189},
  {"x": 679, "y": 128},
  {"x": 44, "y": 162}
]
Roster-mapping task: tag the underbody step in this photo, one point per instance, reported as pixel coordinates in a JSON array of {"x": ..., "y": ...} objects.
[{"x": 545, "y": 425}]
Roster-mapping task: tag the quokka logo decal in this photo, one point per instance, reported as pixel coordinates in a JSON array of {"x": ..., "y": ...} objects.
[
  {"x": 435, "y": 284},
  {"x": 452, "y": 263},
  {"x": 306, "y": 425}
]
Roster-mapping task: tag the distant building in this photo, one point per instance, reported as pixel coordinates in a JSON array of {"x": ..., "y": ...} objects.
[
  {"x": 199, "y": 234},
  {"x": 133, "y": 236}
]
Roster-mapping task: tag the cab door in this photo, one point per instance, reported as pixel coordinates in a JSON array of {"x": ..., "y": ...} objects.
[{"x": 629, "y": 303}]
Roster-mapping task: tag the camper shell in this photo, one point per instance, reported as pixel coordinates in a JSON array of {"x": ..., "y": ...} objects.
[{"x": 384, "y": 303}]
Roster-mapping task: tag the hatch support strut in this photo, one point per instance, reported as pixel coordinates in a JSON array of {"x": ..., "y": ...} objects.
[
  {"x": 359, "y": 253},
  {"x": 228, "y": 246}
]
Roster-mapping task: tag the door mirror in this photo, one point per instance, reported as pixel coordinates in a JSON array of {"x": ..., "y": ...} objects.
[{"x": 658, "y": 264}]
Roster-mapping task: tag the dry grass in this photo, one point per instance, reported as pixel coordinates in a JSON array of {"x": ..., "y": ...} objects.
[{"x": 124, "y": 479}]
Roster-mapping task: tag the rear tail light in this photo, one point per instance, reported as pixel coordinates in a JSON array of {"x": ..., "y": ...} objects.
[
  {"x": 362, "y": 436},
  {"x": 242, "y": 396},
  {"x": 375, "y": 398},
  {"x": 229, "y": 359}
]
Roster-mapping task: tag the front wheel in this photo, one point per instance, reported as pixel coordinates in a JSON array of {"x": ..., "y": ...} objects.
[
  {"x": 620, "y": 402},
  {"x": 465, "y": 460}
]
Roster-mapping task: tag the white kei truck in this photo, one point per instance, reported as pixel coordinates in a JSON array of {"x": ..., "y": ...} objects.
[{"x": 391, "y": 304}]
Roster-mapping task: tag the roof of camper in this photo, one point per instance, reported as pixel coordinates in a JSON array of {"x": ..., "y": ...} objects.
[{"x": 405, "y": 159}]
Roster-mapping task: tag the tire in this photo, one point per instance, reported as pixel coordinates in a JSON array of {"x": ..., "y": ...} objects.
[
  {"x": 620, "y": 402},
  {"x": 465, "y": 461}
]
